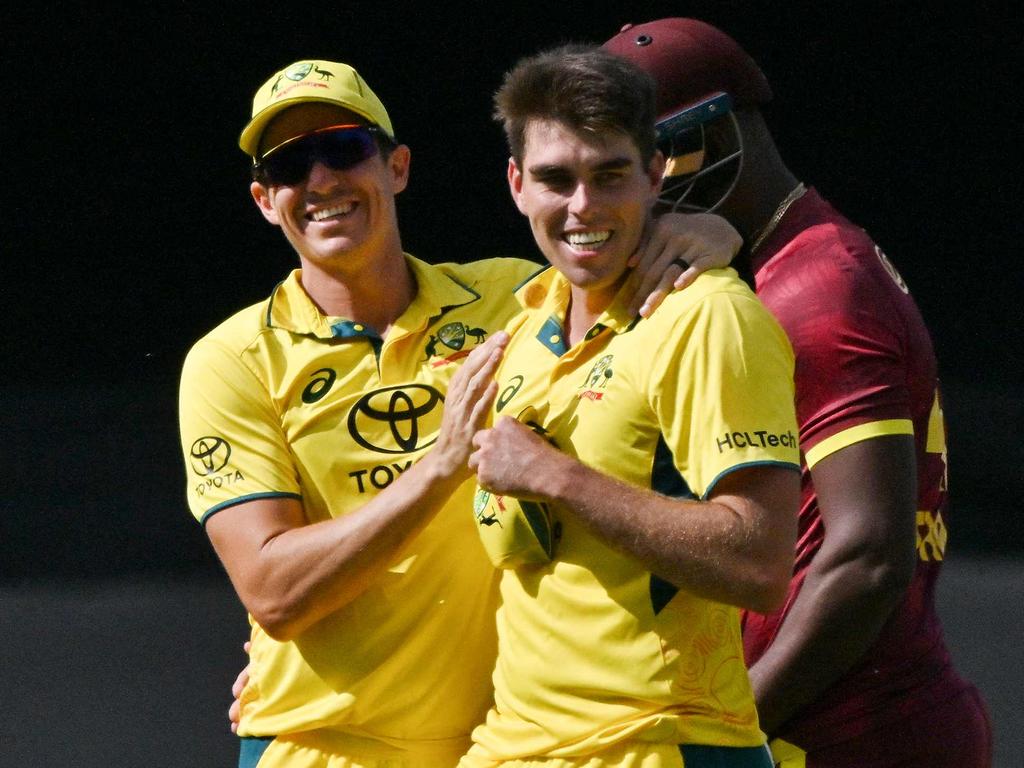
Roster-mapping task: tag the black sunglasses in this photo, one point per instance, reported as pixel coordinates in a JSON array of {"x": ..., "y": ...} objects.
[{"x": 337, "y": 146}]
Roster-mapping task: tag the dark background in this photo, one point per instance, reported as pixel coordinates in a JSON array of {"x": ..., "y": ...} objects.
[{"x": 128, "y": 230}]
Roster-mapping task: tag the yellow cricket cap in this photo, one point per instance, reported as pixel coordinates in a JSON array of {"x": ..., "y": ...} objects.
[{"x": 330, "y": 82}]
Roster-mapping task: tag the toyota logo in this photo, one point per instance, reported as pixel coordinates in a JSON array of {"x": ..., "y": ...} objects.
[
  {"x": 209, "y": 455},
  {"x": 411, "y": 412}
]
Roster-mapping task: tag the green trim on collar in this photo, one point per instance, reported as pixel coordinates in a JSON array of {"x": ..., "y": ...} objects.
[
  {"x": 552, "y": 336},
  {"x": 531, "y": 276},
  {"x": 348, "y": 329}
]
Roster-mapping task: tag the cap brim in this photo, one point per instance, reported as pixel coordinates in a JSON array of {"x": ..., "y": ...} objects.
[{"x": 249, "y": 139}]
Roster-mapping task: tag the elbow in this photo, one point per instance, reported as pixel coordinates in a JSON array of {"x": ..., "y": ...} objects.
[
  {"x": 769, "y": 587},
  {"x": 280, "y": 619},
  {"x": 285, "y": 611},
  {"x": 282, "y": 631},
  {"x": 769, "y": 573},
  {"x": 889, "y": 579},
  {"x": 883, "y": 570}
]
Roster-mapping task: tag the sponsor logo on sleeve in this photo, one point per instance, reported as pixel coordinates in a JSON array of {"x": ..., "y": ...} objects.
[
  {"x": 208, "y": 457},
  {"x": 209, "y": 454},
  {"x": 760, "y": 438}
]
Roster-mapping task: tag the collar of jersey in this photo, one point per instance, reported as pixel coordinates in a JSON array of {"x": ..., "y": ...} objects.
[
  {"x": 546, "y": 295},
  {"x": 291, "y": 309}
]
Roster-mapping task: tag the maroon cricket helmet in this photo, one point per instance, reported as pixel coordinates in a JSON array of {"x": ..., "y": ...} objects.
[{"x": 690, "y": 61}]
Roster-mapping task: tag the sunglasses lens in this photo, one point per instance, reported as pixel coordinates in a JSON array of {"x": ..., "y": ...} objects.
[
  {"x": 287, "y": 166},
  {"x": 344, "y": 149},
  {"x": 338, "y": 149}
]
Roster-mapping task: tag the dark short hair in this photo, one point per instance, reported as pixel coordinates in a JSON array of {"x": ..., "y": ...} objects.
[{"x": 582, "y": 86}]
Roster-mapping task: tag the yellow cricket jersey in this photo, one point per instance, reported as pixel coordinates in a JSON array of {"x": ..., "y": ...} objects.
[
  {"x": 593, "y": 649},
  {"x": 281, "y": 401}
]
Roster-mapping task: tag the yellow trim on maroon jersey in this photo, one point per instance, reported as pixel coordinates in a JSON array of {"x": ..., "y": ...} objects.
[{"x": 857, "y": 434}]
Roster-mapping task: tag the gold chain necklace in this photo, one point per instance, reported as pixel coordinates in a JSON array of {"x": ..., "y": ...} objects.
[{"x": 773, "y": 222}]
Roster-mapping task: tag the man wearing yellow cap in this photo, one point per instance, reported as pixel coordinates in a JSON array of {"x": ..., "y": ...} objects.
[{"x": 325, "y": 432}]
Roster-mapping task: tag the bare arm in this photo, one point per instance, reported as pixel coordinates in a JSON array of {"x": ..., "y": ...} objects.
[
  {"x": 735, "y": 548},
  {"x": 702, "y": 241},
  {"x": 290, "y": 574},
  {"x": 866, "y": 493}
]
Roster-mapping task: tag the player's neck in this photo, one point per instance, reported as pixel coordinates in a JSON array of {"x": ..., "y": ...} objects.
[
  {"x": 765, "y": 181},
  {"x": 585, "y": 306},
  {"x": 375, "y": 297},
  {"x": 764, "y": 186},
  {"x": 774, "y": 191}
]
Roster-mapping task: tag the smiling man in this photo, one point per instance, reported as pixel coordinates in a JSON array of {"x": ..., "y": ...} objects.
[
  {"x": 654, "y": 460},
  {"x": 327, "y": 448}
]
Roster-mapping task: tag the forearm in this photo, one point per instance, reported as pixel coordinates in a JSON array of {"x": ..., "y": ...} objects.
[
  {"x": 837, "y": 616},
  {"x": 298, "y": 574},
  {"x": 735, "y": 548},
  {"x": 866, "y": 498},
  {"x": 722, "y": 549},
  {"x": 290, "y": 573}
]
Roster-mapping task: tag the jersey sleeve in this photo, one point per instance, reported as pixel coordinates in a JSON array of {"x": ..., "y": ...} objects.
[
  {"x": 231, "y": 438},
  {"x": 844, "y": 315},
  {"x": 723, "y": 391}
]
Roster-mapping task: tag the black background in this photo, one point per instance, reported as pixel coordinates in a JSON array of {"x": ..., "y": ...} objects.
[{"x": 128, "y": 230}]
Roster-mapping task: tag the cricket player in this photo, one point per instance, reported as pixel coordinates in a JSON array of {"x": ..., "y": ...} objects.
[
  {"x": 852, "y": 669},
  {"x": 661, "y": 454}
]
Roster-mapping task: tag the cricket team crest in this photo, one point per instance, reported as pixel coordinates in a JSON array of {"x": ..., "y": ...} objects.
[
  {"x": 597, "y": 379},
  {"x": 299, "y": 72},
  {"x": 452, "y": 336}
]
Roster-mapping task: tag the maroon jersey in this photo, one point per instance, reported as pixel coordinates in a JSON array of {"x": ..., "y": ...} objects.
[{"x": 864, "y": 367}]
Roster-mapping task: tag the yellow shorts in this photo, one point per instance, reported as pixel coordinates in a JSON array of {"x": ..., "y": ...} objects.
[
  {"x": 634, "y": 754},
  {"x": 314, "y": 749}
]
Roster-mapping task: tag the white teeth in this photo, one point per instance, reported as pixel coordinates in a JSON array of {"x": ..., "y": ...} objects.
[
  {"x": 337, "y": 210},
  {"x": 587, "y": 238}
]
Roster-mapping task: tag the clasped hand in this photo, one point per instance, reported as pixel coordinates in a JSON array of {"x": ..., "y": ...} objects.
[{"x": 513, "y": 460}]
